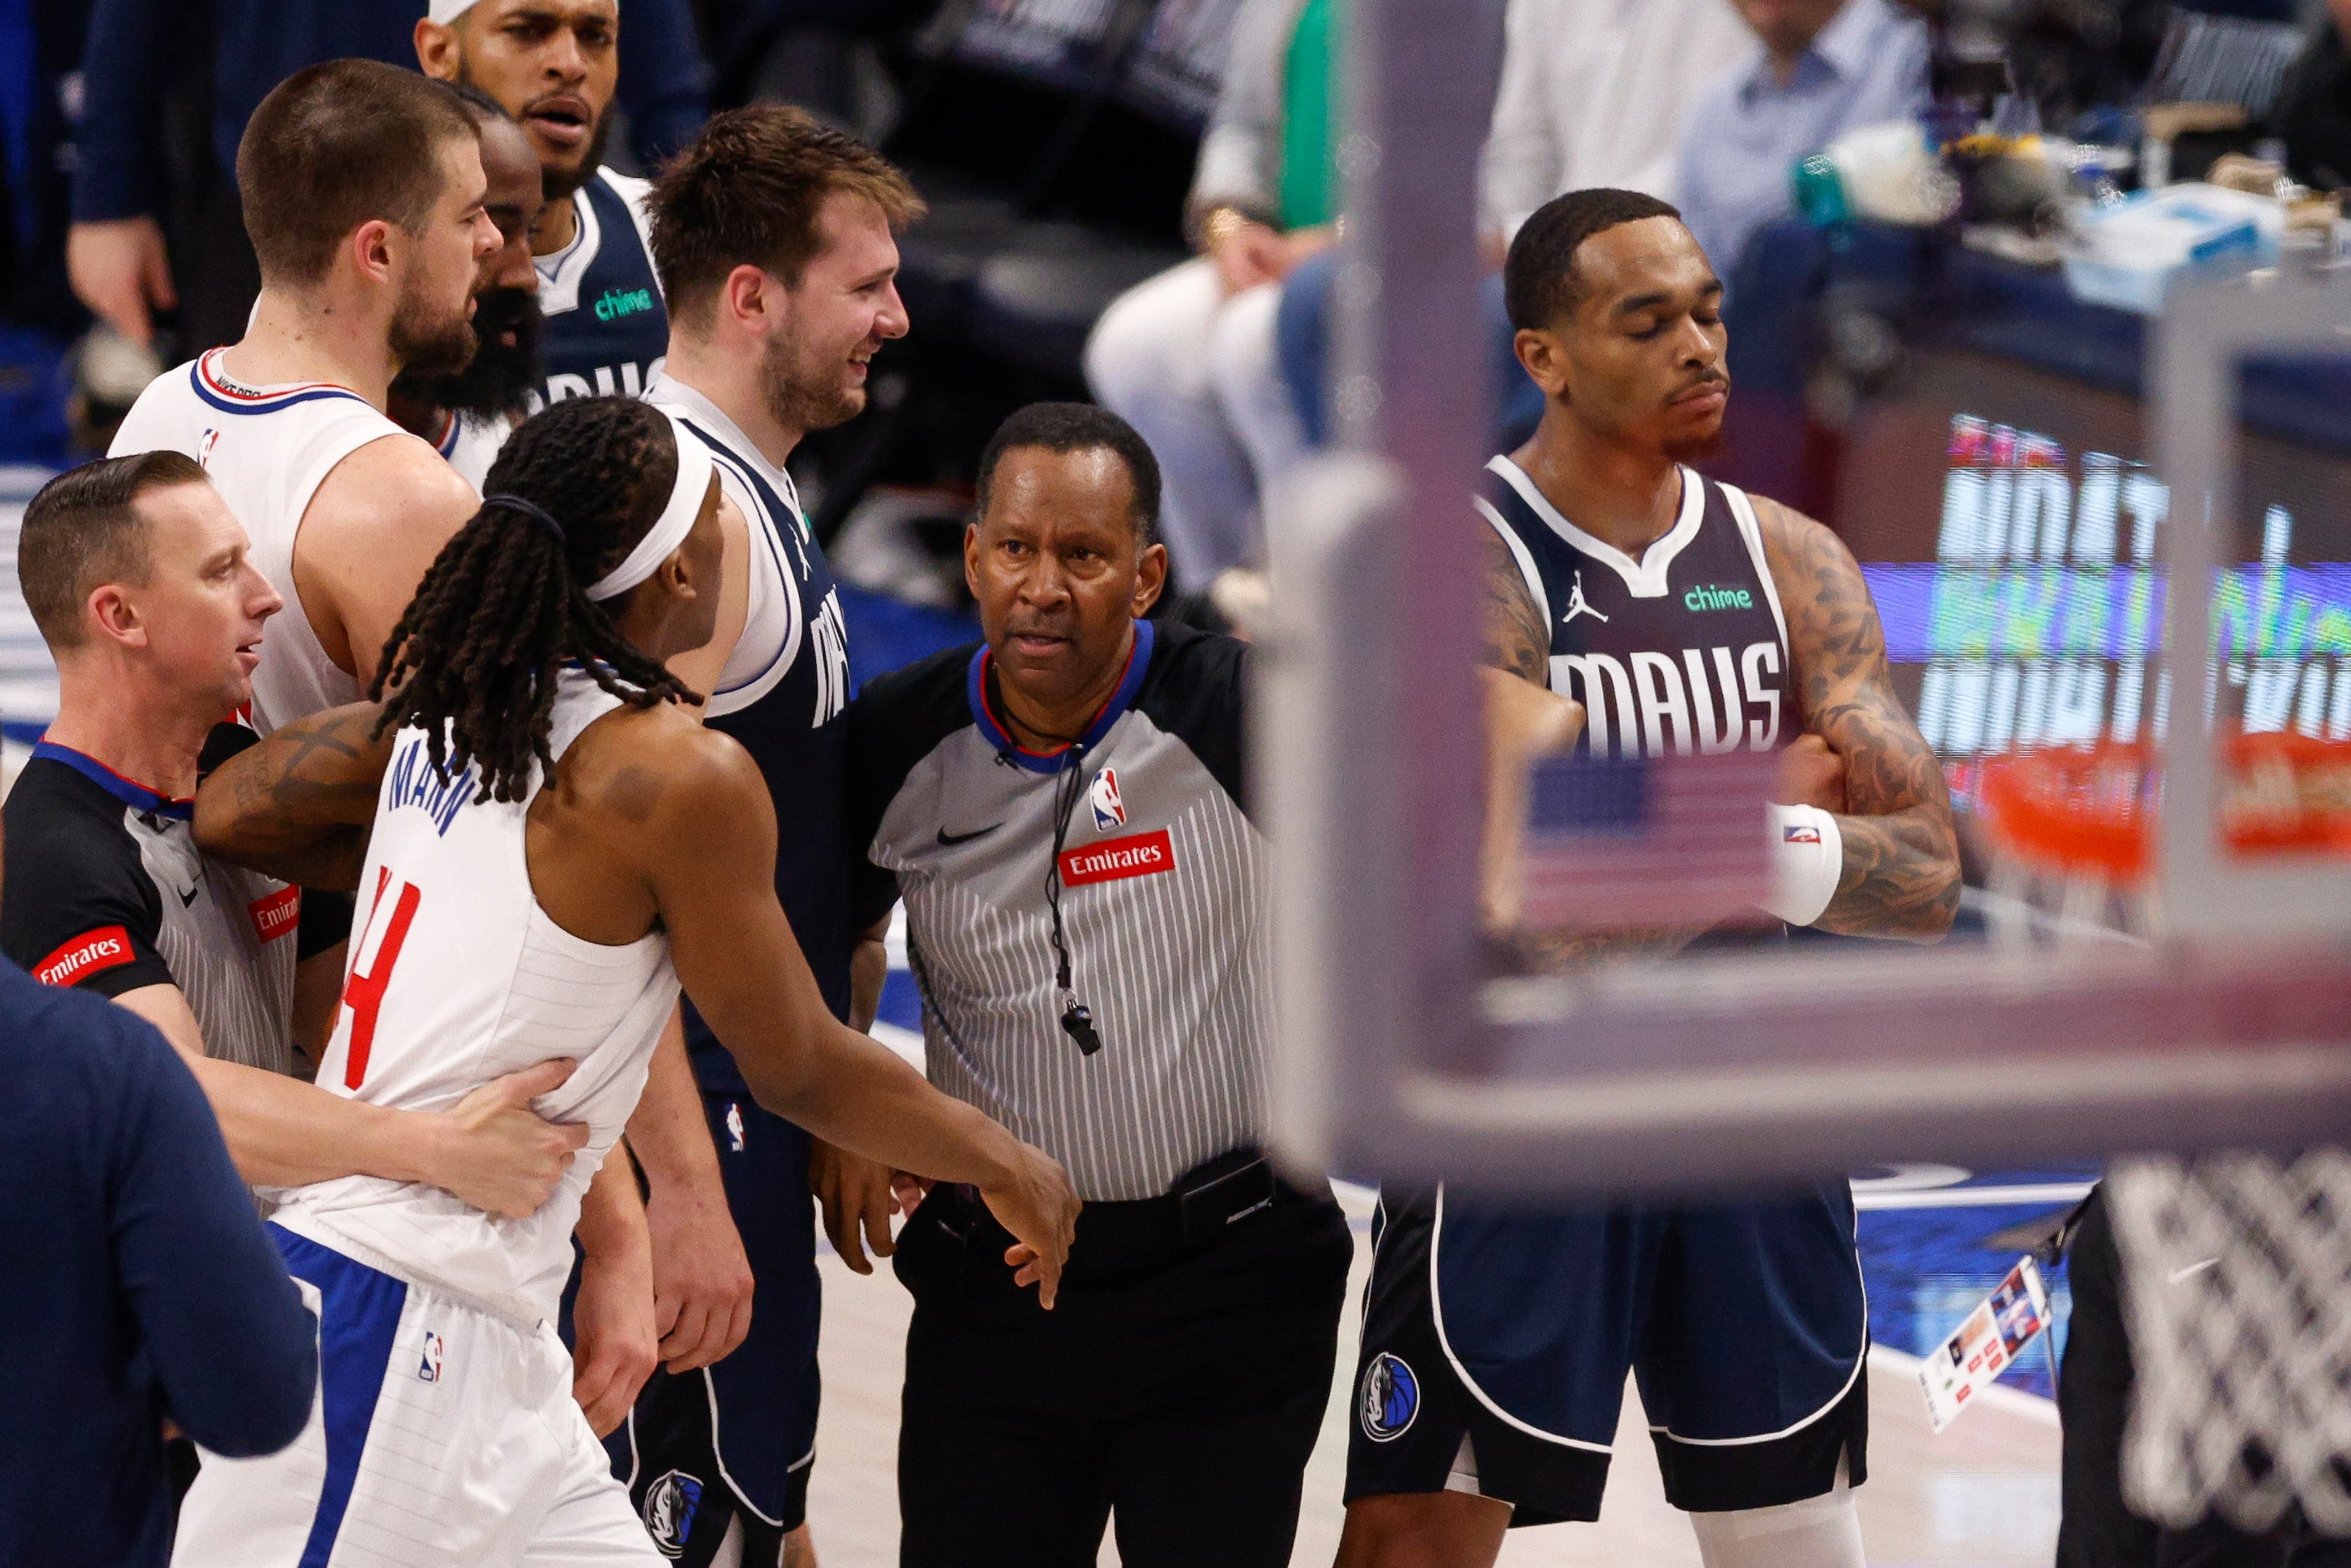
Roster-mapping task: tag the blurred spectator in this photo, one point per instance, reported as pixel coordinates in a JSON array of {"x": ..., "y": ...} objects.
[
  {"x": 1593, "y": 93},
  {"x": 2314, "y": 112},
  {"x": 1827, "y": 66},
  {"x": 116, "y": 249},
  {"x": 140, "y": 1285},
  {"x": 1187, "y": 357}
]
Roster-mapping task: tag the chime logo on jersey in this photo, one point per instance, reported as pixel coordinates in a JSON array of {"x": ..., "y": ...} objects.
[
  {"x": 428, "y": 1365},
  {"x": 670, "y": 1504},
  {"x": 1388, "y": 1399},
  {"x": 1648, "y": 702},
  {"x": 1110, "y": 810}
]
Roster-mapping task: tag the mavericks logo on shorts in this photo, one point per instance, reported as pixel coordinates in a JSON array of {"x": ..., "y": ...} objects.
[
  {"x": 1388, "y": 1399},
  {"x": 669, "y": 1503}
]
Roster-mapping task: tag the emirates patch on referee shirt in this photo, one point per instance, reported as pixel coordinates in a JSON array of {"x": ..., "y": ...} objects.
[
  {"x": 1114, "y": 860},
  {"x": 91, "y": 952}
]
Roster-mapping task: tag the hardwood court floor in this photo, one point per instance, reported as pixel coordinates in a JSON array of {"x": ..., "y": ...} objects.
[{"x": 1982, "y": 1494}]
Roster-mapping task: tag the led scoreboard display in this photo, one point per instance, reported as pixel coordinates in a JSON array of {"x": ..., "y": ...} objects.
[{"x": 2011, "y": 534}]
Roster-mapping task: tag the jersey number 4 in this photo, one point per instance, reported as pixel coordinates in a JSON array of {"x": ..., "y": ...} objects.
[{"x": 363, "y": 992}]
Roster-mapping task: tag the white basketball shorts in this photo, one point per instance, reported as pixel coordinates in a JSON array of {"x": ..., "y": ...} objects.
[{"x": 443, "y": 1434}]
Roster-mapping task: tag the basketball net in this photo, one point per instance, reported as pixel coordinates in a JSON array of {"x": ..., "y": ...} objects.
[{"x": 2236, "y": 1267}]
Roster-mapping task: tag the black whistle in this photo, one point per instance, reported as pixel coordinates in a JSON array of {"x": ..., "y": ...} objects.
[{"x": 1078, "y": 1023}]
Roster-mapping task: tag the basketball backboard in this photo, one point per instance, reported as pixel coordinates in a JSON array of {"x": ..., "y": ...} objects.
[{"x": 2230, "y": 1024}]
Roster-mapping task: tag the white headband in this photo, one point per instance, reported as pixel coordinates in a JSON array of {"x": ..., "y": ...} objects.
[
  {"x": 448, "y": 11},
  {"x": 685, "y": 497}
]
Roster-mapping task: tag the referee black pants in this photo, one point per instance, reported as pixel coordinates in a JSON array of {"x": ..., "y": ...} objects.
[
  {"x": 1183, "y": 1399},
  {"x": 2093, "y": 1391}
]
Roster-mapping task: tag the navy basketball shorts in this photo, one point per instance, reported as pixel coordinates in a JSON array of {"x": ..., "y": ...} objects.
[
  {"x": 1495, "y": 1343},
  {"x": 735, "y": 1442}
]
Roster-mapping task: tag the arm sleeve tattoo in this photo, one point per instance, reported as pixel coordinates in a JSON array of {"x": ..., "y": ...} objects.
[
  {"x": 1518, "y": 643},
  {"x": 1901, "y": 876}
]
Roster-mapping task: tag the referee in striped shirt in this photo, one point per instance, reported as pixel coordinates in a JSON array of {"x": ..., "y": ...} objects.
[{"x": 1063, "y": 810}]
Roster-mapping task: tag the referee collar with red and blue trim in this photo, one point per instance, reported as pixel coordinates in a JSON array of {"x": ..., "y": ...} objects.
[
  {"x": 135, "y": 795},
  {"x": 214, "y": 385},
  {"x": 978, "y": 680}
]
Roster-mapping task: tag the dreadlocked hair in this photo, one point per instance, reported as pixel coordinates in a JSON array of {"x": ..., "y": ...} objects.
[{"x": 475, "y": 660}]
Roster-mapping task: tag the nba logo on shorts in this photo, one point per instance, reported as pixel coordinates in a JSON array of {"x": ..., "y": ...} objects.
[
  {"x": 668, "y": 1508},
  {"x": 428, "y": 1365},
  {"x": 1389, "y": 1398},
  {"x": 1110, "y": 810}
]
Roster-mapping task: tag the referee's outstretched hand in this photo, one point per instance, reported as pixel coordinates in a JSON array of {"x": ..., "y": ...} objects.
[{"x": 1035, "y": 1201}]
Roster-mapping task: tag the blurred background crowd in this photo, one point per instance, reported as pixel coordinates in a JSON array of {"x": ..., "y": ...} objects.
[{"x": 1143, "y": 200}]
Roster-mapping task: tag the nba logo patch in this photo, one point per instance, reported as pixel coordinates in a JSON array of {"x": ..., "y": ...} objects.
[
  {"x": 668, "y": 1513},
  {"x": 205, "y": 448},
  {"x": 734, "y": 1126},
  {"x": 1801, "y": 834},
  {"x": 1388, "y": 1399},
  {"x": 428, "y": 1365},
  {"x": 1110, "y": 810}
]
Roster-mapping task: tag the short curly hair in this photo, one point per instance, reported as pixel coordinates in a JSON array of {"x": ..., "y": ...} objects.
[
  {"x": 1538, "y": 280},
  {"x": 747, "y": 191}
]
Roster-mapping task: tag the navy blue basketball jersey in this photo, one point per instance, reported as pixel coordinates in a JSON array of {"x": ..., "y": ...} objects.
[
  {"x": 783, "y": 694},
  {"x": 1684, "y": 651},
  {"x": 607, "y": 330}
]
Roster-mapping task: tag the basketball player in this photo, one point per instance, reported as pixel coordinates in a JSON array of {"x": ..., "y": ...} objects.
[
  {"x": 467, "y": 415},
  {"x": 1684, "y": 616},
  {"x": 554, "y": 64},
  {"x": 140, "y": 583},
  {"x": 364, "y": 196},
  {"x": 541, "y": 833},
  {"x": 774, "y": 237}
]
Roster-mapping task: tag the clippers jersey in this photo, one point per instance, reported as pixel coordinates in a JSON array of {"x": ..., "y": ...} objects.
[
  {"x": 606, "y": 328},
  {"x": 267, "y": 450},
  {"x": 456, "y": 976},
  {"x": 1684, "y": 650}
]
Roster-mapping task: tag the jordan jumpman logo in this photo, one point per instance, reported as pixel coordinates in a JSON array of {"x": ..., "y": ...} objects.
[{"x": 1576, "y": 606}]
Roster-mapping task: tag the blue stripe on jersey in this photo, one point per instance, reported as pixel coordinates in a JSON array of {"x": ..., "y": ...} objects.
[
  {"x": 358, "y": 1316},
  {"x": 131, "y": 793},
  {"x": 1138, "y": 663}
]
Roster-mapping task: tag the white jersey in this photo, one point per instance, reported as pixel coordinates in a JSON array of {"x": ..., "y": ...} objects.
[
  {"x": 470, "y": 442},
  {"x": 458, "y": 977},
  {"x": 267, "y": 449}
]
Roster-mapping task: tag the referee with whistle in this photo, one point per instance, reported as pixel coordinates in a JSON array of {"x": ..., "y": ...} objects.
[{"x": 1064, "y": 811}]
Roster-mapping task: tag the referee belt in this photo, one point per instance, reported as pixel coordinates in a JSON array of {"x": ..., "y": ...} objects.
[{"x": 1122, "y": 1241}]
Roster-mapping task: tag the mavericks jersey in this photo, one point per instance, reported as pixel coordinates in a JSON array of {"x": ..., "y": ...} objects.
[
  {"x": 606, "y": 328},
  {"x": 267, "y": 450},
  {"x": 458, "y": 977},
  {"x": 1683, "y": 651},
  {"x": 785, "y": 692}
]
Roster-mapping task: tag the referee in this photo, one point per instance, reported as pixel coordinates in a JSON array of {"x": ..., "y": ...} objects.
[
  {"x": 1064, "y": 811},
  {"x": 138, "y": 577}
]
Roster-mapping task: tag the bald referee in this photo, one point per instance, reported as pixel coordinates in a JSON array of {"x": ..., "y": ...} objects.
[{"x": 1064, "y": 811}]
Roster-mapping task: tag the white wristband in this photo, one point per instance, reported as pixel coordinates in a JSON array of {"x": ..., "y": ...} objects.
[{"x": 1807, "y": 859}]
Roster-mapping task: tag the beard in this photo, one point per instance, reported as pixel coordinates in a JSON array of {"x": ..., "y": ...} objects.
[
  {"x": 501, "y": 376},
  {"x": 799, "y": 396},
  {"x": 561, "y": 184},
  {"x": 1698, "y": 449},
  {"x": 425, "y": 344}
]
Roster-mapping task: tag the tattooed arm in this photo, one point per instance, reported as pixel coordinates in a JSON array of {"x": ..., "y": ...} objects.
[
  {"x": 1518, "y": 643},
  {"x": 1901, "y": 876},
  {"x": 298, "y": 805}
]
